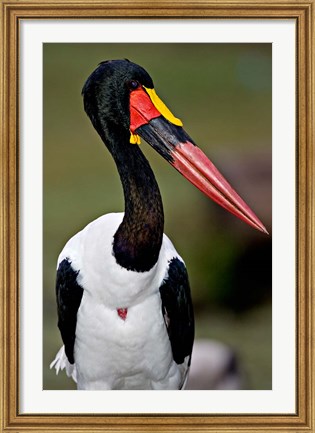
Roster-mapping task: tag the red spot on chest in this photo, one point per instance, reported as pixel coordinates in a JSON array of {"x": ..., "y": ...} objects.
[{"x": 122, "y": 313}]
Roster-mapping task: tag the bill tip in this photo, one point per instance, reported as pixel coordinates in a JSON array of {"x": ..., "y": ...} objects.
[{"x": 264, "y": 230}]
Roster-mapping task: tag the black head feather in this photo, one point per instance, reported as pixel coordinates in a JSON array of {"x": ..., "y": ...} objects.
[{"x": 106, "y": 93}]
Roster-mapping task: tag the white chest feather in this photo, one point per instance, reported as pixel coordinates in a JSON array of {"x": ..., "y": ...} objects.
[{"x": 134, "y": 353}]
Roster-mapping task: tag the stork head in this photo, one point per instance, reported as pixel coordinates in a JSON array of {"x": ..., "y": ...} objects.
[{"x": 120, "y": 99}]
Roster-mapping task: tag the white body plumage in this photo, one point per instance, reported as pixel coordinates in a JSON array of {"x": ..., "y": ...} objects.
[{"x": 109, "y": 352}]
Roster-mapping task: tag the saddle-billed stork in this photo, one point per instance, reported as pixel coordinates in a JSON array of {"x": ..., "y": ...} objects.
[{"x": 125, "y": 312}]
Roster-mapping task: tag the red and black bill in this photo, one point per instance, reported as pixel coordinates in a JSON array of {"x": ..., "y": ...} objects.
[{"x": 152, "y": 120}]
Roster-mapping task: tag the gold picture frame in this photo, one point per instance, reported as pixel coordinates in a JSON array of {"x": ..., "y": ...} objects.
[{"x": 11, "y": 14}]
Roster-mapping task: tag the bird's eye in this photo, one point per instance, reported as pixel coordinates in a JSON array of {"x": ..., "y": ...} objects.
[{"x": 133, "y": 85}]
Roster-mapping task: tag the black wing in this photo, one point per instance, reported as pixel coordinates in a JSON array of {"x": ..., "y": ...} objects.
[
  {"x": 69, "y": 294},
  {"x": 178, "y": 311}
]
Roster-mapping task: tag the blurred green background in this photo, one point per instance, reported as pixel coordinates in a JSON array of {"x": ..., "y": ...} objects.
[{"x": 222, "y": 93}]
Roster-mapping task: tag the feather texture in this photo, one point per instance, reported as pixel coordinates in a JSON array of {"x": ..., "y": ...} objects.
[{"x": 111, "y": 353}]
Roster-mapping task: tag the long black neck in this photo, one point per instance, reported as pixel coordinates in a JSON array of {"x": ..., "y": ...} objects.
[{"x": 138, "y": 239}]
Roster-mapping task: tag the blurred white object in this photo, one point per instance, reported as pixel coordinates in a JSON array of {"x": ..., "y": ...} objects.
[{"x": 214, "y": 365}]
